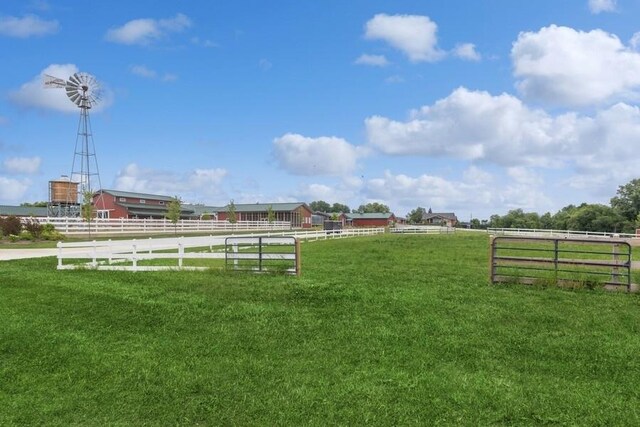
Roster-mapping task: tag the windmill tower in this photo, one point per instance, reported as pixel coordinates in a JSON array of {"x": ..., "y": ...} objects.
[{"x": 83, "y": 90}]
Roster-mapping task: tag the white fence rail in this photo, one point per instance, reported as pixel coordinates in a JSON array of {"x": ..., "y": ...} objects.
[
  {"x": 556, "y": 233},
  {"x": 77, "y": 226},
  {"x": 422, "y": 229},
  {"x": 107, "y": 254}
]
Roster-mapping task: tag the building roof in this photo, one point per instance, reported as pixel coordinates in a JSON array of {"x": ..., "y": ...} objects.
[
  {"x": 145, "y": 209},
  {"x": 264, "y": 207},
  {"x": 370, "y": 215},
  {"x": 445, "y": 215},
  {"x": 23, "y": 211},
  {"x": 133, "y": 195}
]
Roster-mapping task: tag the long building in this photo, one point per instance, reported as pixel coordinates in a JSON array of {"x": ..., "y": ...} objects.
[{"x": 125, "y": 204}]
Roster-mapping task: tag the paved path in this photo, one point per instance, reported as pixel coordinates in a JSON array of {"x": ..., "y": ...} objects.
[{"x": 9, "y": 254}]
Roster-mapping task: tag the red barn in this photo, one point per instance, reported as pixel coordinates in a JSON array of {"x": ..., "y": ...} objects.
[
  {"x": 126, "y": 204},
  {"x": 371, "y": 219}
]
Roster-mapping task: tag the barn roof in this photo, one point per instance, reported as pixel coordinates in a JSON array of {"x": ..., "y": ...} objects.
[
  {"x": 264, "y": 207},
  {"x": 134, "y": 195},
  {"x": 369, "y": 215},
  {"x": 445, "y": 215}
]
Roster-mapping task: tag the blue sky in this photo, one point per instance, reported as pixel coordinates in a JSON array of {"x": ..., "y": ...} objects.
[{"x": 473, "y": 107}]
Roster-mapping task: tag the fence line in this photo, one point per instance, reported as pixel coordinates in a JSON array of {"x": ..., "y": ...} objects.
[
  {"x": 422, "y": 229},
  {"x": 99, "y": 226},
  {"x": 104, "y": 253},
  {"x": 558, "y": 233}
]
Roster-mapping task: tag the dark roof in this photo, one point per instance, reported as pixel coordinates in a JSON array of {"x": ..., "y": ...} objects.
[
  {"x": 23, "y": 211},
  {"x": 264, "y": 207},
  {"x": 146, "y": 209},
  {"x": 369, "y": 215},
  {"x": 134, "y": 195},
  {"x": 445, "y": 215}
]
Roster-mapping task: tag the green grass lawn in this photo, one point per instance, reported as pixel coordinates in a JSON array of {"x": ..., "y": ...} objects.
[{"x": 385, "y": 330}]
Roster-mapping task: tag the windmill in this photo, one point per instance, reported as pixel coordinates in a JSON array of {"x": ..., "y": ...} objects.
[{"x": 83, "y": 90}]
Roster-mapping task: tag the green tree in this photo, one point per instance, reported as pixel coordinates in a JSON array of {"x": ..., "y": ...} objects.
[
  {"x": 174, "y": 211},
  {"x": 596, "y": 217},
  {"x": 34, "y": 204},
  {"x": 627, "y": 200},
  {"x": 271, "y": 215},
  {"x": 231, "y": 212},
  {"x": 340, "y": 208},
  {"x": 416, "y": 215},
  {"x": 320, "y": 206},
  {"x": 374, "y": 207},
  {"x": 86, "y": 209}
]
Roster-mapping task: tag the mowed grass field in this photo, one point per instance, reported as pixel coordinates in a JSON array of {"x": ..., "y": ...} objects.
[{"x": 386, "y": 330}]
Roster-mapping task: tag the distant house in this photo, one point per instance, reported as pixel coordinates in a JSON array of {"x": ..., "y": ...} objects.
[
  {"x": 447, "y": 219},
  {"x": 370, "y": 219}
]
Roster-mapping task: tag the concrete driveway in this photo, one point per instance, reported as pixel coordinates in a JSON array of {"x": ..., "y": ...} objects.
[{"x": 9, "y": 254}]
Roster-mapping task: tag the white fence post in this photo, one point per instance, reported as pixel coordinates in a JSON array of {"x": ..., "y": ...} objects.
[{"x": 134, "y": 255}]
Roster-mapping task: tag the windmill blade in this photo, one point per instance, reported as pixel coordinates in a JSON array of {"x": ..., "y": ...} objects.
[
  {"x": 75, "y": 78},
  {"x": 74, "y": 97},
  {"x": 53, "y": 82}
]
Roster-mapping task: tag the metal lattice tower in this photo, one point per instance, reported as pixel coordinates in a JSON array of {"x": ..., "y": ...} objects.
[{"x": 84, "y": 91}]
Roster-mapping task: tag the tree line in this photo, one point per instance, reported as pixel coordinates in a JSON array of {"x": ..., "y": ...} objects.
[
  {"x": 622, "y": 215},
  {"x": 322, "y": 206}
]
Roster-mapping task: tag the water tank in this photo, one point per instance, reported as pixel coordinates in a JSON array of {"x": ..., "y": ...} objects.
[{"x": 63, "y": 190}]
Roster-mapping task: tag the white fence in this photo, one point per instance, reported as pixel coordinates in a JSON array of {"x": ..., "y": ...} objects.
[
  {"x": 422, "y": 229},
  {"x": 106, "y": 254},
  {"x": 556, "y": 233},
  {"x": 77, "y": 226}
]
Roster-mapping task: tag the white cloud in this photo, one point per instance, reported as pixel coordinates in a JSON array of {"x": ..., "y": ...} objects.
[
  {"x": 27, "y": 26},
  {"x": 476, "y": 126},
  {"x": 566, "y": 67},
  {"x": 373, "y": 60},
  {"x": 147, "y": 31},
  {"x": 33, "y": 94},
  {"x": 265, "y": 64},
  {"x": 414, "y": 35},
  {"x": 13, "y": 190},
  {"x": 394, "y": 79},
  {"x": 467, "y": 51},
  {"x": 597, "y": 6},
  {"x": 594, "y": 152},
  {"x": 436, "y": 192},
  {"x": 203, "y": 42},
  {"x": 190, "y": 185},
  {"x": 301, "y": 155},
  {"x": 634, "y": 42},
  {"x": 148, "y": 73},
  {"x": 143, "y": 71},
  {"x": 22, "y": 165}
]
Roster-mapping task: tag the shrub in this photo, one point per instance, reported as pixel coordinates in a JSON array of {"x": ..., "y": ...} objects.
[
  {"x": 33, "y": 227},
  {"x": 10, "y": 225},
  {"x": 49, "y": 232},
  {"x": 26, "y": 235}
]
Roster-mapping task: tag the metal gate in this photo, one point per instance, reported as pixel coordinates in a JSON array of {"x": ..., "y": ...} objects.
[
  {"x": 586, "y": 262},
  {"x": 263, "y": 254}
]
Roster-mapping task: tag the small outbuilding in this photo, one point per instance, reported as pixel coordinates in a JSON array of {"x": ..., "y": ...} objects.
[{"x": 370, "y": 219}]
